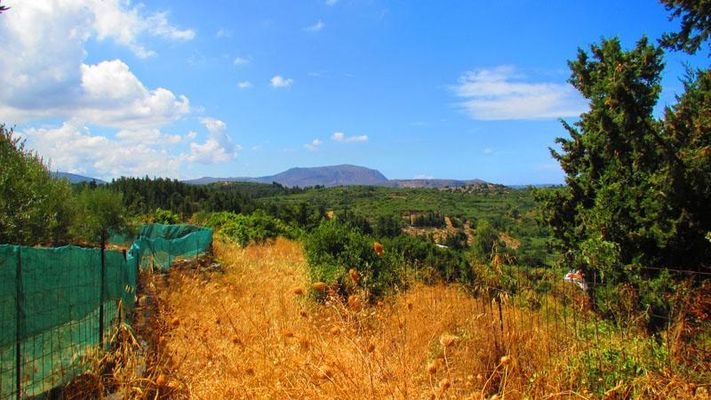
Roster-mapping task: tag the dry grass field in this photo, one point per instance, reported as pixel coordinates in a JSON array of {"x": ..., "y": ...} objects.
[{"x": 253, "y": 332}]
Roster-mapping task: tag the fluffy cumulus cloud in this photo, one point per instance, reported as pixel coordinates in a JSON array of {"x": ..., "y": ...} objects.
[
  {"x": 279, "y": 81},
  {"x": 244, "y": 84},
  {"x": 44, "y": 73},
  {"x": 73, "y": 147},
  {"x": 217, "y": 148},
  {"x": 113, "y": 96},
  {"x": 342, "y": 137},
  {"x": 502, "y": 94},
  {"x": 113, "y": 124}
]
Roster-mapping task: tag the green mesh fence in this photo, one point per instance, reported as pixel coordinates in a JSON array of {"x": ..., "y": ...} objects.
[{"x": 57, "y": 305}]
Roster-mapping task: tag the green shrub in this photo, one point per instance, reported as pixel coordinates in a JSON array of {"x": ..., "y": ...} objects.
[
  {"x": 333, "y": 249},
  {"x": 245, "y": 229},
  {"x": 168, "y": 217}
]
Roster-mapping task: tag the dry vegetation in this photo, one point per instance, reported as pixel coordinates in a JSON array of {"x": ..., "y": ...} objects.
[{"x": 254, "y": 332}]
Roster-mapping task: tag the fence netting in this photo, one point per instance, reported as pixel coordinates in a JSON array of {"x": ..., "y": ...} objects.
[{"x": 58, "y": 306}]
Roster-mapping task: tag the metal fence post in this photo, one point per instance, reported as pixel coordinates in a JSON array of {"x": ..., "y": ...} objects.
[
  {"x": 19, "y": 319},
  {"x": 101, "y": 292}
]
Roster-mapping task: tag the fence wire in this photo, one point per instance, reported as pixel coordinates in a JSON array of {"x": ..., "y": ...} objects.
[{"x": 58, "y": 305}]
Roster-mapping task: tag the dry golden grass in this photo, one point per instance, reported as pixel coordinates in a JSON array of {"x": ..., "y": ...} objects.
[{"x": 252, "y": 332}]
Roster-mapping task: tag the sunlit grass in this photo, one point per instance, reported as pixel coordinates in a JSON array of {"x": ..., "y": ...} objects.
[{"x": 254, "y": 332}]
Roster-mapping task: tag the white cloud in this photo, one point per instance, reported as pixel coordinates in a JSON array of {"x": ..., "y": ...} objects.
[
  {"x": 113, "y": 96},
  {"x": 113, "y": 123},
  {"x": 158, "y": 25},
  {"x": 115, "y": 19},
  {"x": 74, "y": 148},
  {"x": 241, "y": 61},
  {"x": 147, "y": 137},
  {"x": 317, "y": 27},
  {"x": 342, "y": 137},
  {"x": 488, "y": 151},
  {"x": 314, "y": 145},
  {"x": 331, "y": 2},
  {"x": 279, "y": 81},
  {"x": 244, "y": 84},
  {"x": 500, "y": 94},
  {"x": 217, "y": 148},
  {"x": 424, "y": 176},
  {"x": 44, "y": 74}
]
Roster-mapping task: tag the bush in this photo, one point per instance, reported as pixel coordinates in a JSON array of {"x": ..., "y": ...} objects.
[
  {"x": 168, "y": 217},
  {"x": 333, "y": 249},
  {"x": 245, "y": 229}
]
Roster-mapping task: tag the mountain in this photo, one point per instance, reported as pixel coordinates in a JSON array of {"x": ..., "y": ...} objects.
[
  {"x": 342, "y": 175},
  {"x": 337, "y": 175},
  {"x": 74, "y": 178}
]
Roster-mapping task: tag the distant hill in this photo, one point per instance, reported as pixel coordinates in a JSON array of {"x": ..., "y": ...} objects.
[
  {"x": 342, "y": 175},
  {"x": 434, "y": 183},
  {"x": 74, "y": 178}
]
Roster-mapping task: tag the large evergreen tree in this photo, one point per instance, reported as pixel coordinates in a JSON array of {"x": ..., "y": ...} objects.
[{"x": 695, "y": 24}]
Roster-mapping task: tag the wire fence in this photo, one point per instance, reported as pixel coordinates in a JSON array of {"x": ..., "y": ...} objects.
[{"x": 60, "y": 306}]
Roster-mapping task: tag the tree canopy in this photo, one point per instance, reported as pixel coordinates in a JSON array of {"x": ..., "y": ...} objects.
[
  {"x": 638, "y": 189},
  {"x": 695, "y": 24}
]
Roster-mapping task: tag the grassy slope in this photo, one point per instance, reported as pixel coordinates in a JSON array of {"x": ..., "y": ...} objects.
[{"x": 251, "y": 333}]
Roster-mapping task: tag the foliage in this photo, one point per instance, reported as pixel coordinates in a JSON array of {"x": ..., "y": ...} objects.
[
  {"x": 143, "y": 195},
  {"x": 168, "y": 217},
  {"x": 246, "y": 229},
  {"x": 695, "y": 24},
  {"x": 102, "y": 213},
  {"x": 638, "y": 189},
  {"x": 34, "y": 207},
  {"x": 333, "y": 249},
  {"x": 429, "y": 219},
  {"x": 486, "y": 241},
  {"x": 387, "y": 226}
]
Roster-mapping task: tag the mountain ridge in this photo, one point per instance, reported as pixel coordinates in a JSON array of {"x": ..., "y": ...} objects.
[{"x": 340, "y": 175}]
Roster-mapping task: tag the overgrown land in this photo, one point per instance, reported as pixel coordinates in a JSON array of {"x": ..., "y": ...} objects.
[{"x": 364, "y": 292}]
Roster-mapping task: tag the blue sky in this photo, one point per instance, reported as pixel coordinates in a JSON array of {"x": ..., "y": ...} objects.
[{"x": 443, "y": 89}]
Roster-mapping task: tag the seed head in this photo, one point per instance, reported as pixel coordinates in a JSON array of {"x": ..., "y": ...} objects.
[
  {"x": 355, "y": 303},
  {"x": 319, "y": 286},
  {"x": 378, "y": 248},
  {"x": 432, "y": 367},
  {"x": 447, "y": 340},
  {"x": 355, "y": 275}
]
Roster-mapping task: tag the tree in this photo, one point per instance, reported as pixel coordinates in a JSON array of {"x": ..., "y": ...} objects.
[
  {"x": 102, "y": 213},
  {"x": 35, "y": 208},
  {"x": 695, "y": 24},
  {"x": 637, "y": 190}
]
